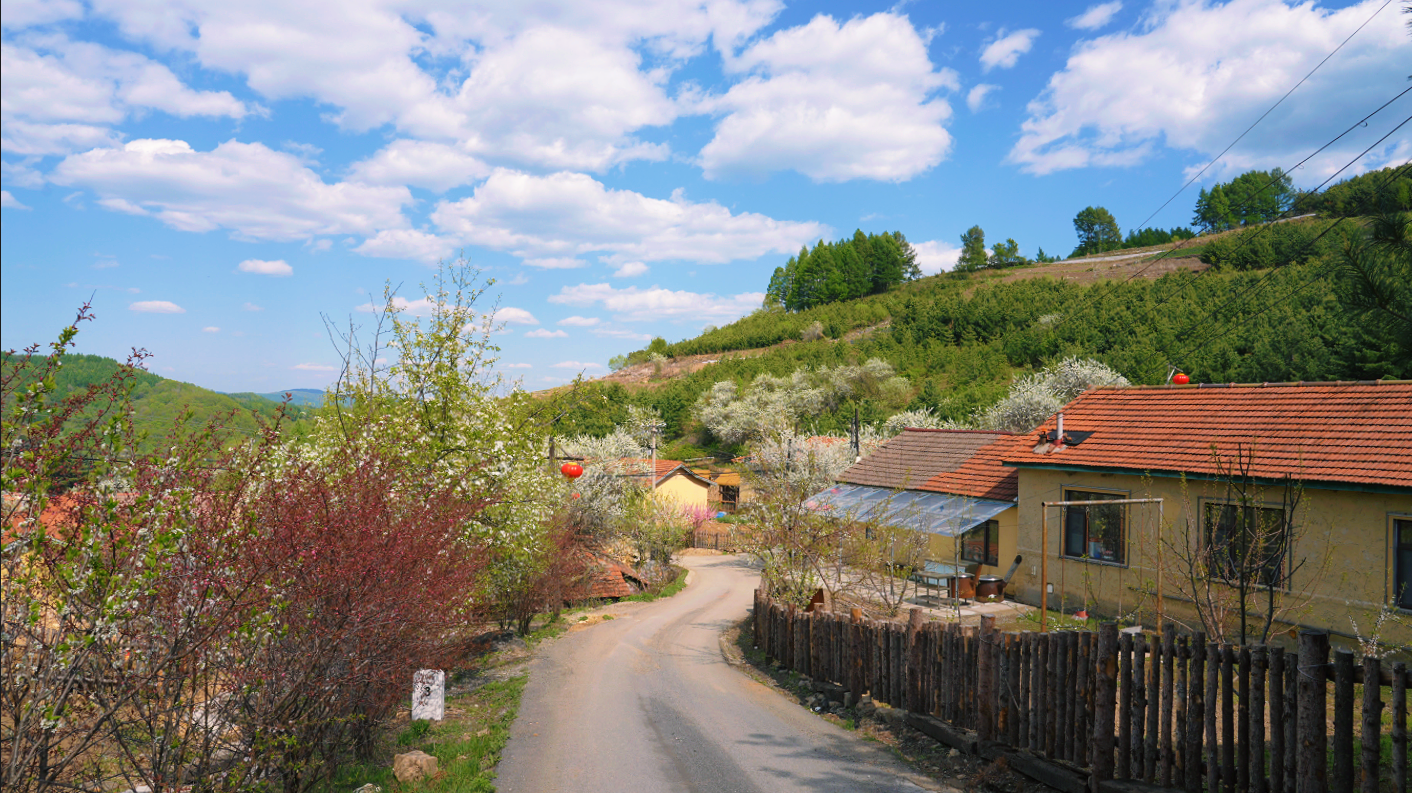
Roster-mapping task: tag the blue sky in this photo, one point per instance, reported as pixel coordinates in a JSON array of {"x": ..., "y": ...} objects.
[{"x": 220, "y": 176}]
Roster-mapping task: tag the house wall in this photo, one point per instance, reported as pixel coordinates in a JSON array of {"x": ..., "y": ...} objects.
[
  {"x": 944, "y": 549},
  {"x": 1344, "y": 539},
  {"x": 684, "y": 490}
]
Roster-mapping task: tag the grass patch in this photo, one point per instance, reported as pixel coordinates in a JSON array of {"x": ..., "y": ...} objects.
[
  {"x": 665, "y": 591},
  {"x": 467, "y": 745}
]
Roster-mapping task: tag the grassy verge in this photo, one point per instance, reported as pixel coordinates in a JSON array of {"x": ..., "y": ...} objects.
[
  {"x": 467, "y": 744},
  {"x": 665, "y": 591}
]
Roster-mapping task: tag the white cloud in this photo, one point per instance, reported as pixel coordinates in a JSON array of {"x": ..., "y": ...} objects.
[
  {"x": 934, "y": 256},
  {"x": 834, "y": 102},
  {"x": 251, "y": 190},
  {"x": 1187, "y": 80},
  {"x": 8, "y": 201},
  {"x": 22, "y": 173},
  {"x": 421, "y": 246},
  {"x": 314, "y": 367},
  {"x": 580, "y": 322},
  {"x": 637, "y": 305},
  {"x": 621, "y": 333},
  {"x": 1005, "y": 51},
  {"x": 513, "y": 316},
  {"x": 16, "y": 14},
  {"x": 435, "y": 166},
  {"x": 251, "y": 307},
  {"x": 156, "y": 307},
  {"x": 630, "y": 270},
  {"x": 63, "y": 93},
  {"x": 562, "y": 215},
  {"x": 545, "y": 333},
  {"x": 276, "y": 267},
  {"x": 516, "y": 366},
  {"x": 577, "y": 365},
  {"x": 1095, "y": 17},
  {"x": 210, "y": 329},
  {"x": 975, "y": 98},
  {"x": 555, "y": 262}
]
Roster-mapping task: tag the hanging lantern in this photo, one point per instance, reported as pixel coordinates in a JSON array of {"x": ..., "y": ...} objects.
[
  {"x": 1180, "y": 378},
  {"x": 571, "y": 470},
  {"x": 576, "y": 495}
]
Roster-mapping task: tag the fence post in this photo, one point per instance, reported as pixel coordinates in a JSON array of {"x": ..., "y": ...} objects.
[
  {"x": 1180, "y": 696},
  {"x": 1372, "y": 722},
  {"x": 1025, "y": 709},
  {"x": 984, "y": 659},
  {"x": 1399, "y": 726},
  {"x": 1154, "y": 700},
  {"x": 1258, "y": 654},
  {"x": 1342, "y": 781},
  {"x": 1125, "y": 704},
  {"x": 1228, "y": 736},
  {"x": 1169, "y": 661},
  {"x": 1277, "y": 718},
  {"x": 1139, "y": 713},
  {"x": 1085, "y": 683},
  {"x": 1104, "y": 702},
  {"x": 1292, "y": 721},
  {"x": 912, "y": 697},
  {"x": 1243, "y": 721},
  {"x": 1196, "y": 714},
  {"x": 1045, "y": 695},
  {"x": 1213, "y": 704},
  {"x": 1313, "y": 769}
]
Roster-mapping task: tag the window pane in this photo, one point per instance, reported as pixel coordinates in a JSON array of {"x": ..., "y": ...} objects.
[
  {"x": 1403, "y": 559},
  {"x": 1075, "y": 519},
  {"x": 992, "y": 542}
]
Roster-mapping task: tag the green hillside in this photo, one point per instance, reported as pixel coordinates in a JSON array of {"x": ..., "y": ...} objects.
[
  {"x": 1279, "y": 306},
  {"x": 158, "y": 401}
]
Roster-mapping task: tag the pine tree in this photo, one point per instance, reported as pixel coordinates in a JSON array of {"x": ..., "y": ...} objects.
[{"x": 973, "y": 254}]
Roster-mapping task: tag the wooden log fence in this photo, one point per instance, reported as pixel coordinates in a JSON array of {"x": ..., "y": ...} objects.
[{"x": 1164, "y": 710}]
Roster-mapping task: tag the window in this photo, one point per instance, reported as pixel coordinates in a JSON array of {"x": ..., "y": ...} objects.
[
  {"x": 1402, "y": 533},
  {"x": 1094, "y": 531},
  {"x": 982, "y": 544},
  {"x": 1253, "y": 539}
]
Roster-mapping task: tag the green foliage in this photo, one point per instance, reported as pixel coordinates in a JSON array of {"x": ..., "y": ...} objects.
[
  {"x": 864, "y": 265},
  {"x": 1376, "y": 282},
  {"x": 1148, "y": 237},
  {"x": 1097, "y": 230},
  {"x": 1252, "y": 197},
  {"x": 1006, "y": 254},
  {"x": 1371, "y": 193},
  {"x": 1278, "y": 244},
  {"x": 973, "y": 256}
]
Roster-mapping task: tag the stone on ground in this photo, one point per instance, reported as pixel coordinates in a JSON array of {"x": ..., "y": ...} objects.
[{"x": 413, "y": 766}]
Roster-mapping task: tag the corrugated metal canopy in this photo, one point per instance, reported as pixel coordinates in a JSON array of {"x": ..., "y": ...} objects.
[{"x": 934, "y": 513}]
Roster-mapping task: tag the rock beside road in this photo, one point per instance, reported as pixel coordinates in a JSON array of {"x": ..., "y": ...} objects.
[{"x": 414, "y": 766}]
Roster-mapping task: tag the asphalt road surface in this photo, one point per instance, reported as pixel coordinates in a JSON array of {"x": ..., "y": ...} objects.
[{"x": 647, "y": 703}]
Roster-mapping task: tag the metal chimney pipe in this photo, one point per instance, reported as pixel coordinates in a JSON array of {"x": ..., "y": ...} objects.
[{"x": 1059, "y": 433}]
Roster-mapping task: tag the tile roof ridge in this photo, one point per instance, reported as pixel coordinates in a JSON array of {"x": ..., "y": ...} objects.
[
  {"x": 957, "y": 430},
  {"x": 1276, "y": 384}
]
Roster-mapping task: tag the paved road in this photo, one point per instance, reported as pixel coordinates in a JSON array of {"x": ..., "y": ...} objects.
[{"x": 646, "y": 703}]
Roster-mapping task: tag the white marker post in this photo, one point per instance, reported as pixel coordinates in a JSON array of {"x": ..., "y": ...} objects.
[{"x": 429, "y": 695}]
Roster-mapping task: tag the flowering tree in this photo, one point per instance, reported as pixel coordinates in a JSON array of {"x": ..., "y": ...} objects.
[{"x": 1036, "y": 397}]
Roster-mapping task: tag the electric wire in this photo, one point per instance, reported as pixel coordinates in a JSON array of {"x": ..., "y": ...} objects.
[{"x": 1092, "y": 298}]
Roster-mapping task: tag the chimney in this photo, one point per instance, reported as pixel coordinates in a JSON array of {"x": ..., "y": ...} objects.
[{"x": 1059, "y": 433}]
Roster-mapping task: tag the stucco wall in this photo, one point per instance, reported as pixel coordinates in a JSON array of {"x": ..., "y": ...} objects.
[
  {"x": 684, "y": 490},
  {"x": 1344, "y": 542}
]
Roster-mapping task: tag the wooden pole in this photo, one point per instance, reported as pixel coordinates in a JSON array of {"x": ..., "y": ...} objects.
[
  {"x": 1342, "y": 781},
  {"x": 1180, "y": 697},
  {"x": 1196, "y": 714},
  {"x": 1243, "y": 722},
  {"x": 1213, "y": 703},
  {"x": 1104, "y": 701},
  {"x": 913, "y": 694},
  {"x": 1399, "y": 726},
  {"x": 985, "y": 694},
  {"x": 1228, "y": 733},
  {"x": 1277, "y": 718},
  {"x": 1257, "y": 718},
  {"x": 1313, "y": 704},
  {"x": 1043, "y": 563},
  {"x": 1125, "y": 704},
  {"x": 1169, "y": 659},
  {"x": 1372, "y": 722}
]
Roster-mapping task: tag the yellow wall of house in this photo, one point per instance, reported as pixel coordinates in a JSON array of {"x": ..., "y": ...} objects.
[
  {"x": 1344, "y": 540},
  {"x": 944, "y": 549},
  {"x": 684, "y": 490}
]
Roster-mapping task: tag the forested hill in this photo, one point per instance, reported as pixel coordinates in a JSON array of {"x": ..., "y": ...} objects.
[
  {"x": 1279, "y": 307},
  {"x": 157, "y": 401}
]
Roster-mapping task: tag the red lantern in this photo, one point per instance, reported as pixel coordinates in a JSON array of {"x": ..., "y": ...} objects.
[
  {"x": 571, "y": 470},
  {"x": 576, "y": 495},
  {"x": 1180, "y": 378}
]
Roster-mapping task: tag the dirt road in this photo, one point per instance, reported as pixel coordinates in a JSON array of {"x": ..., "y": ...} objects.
[{"x": 646, "y": 703}]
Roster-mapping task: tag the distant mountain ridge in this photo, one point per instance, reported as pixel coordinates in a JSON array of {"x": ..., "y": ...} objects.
[{"x": 304, "y": 397}]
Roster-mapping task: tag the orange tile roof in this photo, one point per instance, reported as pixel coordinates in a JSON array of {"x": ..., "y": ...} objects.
[
  {"x": 1352, "y": 433},
  {"x": 962, "y": 462}
]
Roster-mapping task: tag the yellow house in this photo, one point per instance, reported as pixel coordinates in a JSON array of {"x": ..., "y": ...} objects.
[
  {"x": 1291, "y": 503},
  {"x": 672, "y": 479},
  {"x": 949, "y": 484}
]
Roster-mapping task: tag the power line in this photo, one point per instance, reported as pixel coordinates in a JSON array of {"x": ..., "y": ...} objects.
[
  {"x": 1263, "y": 115},
  {"x": 1215, "y": 332},
  {"x": 1093, "y": 296}
]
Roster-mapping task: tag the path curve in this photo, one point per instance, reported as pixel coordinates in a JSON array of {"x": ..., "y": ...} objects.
[{"x": 647, "y": 703}]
